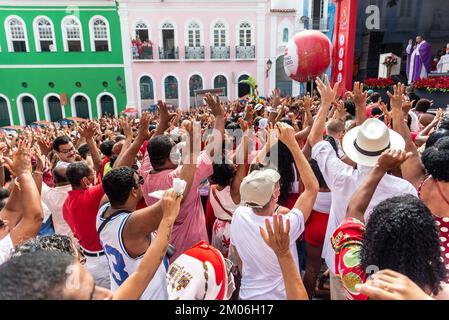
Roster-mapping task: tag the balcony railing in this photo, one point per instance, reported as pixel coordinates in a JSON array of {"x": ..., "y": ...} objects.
[
  {"x": 194, "y": 53},
  {"x": 169, "y": 54},
  {"x": 245, "y": 52},
  {"x": 321, "y": 24},
  {"x": 222, "y": 53},
  {"x": 147, "y": 54}
]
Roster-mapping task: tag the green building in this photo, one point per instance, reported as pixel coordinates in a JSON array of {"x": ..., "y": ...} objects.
[{"x": 58, "y": 60}]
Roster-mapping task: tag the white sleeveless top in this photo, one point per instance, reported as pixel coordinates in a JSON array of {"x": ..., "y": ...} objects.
[
  {"x": 225, "y": 199},
  {"x": 121, "y": 265}
]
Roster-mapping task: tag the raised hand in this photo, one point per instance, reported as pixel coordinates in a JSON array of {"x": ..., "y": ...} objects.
[
  {"x": 21, "y": 160},
  {"x": 243, "y": 124},
  {"x": 127, "y": 124},
  {"x": 277, "y": 238},
  {"x": 143, "y": 133},
  {"x": 171, "y": 202},
  {"x": 359, "y": 96},
  {"x": 327, "y": 93},
  {"x": 397, "y": 96},
  {"x": 88, "y": 130},
  {"x": 164, "y": 115},
  {"x": 214, "y": 104},
  {"x": 287, "y": 135},
  {"x": 40, "y": 158},
  {"x": 307, "y": 102},
  {"x": 391, "y": 159},
  {"x": 276, "y": 98}
]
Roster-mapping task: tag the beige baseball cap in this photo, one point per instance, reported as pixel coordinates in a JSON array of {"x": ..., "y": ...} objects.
[{"x": 258, "y": 187}]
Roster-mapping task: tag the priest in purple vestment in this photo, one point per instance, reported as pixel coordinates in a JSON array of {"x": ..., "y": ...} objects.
[{"x": 419, "y": 59}]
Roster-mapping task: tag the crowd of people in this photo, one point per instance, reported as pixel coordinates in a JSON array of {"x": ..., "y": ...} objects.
[{"x": 264, "y": 199}]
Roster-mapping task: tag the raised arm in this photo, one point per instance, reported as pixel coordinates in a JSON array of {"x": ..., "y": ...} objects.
[
  {"x": 328, "y": 95},
  {"x": 359, "y": 202},
  {"x": 413, "y": 169},
  {"x": 359, "y": 97},
  {"x": 190, "y": 155},
  {"x": 240, "y": 155},
  {"x": 88, "y": 132},
  {"x": 129, "y": 154},
  {"x": 126, "y": 125},
  {"x": 307, "y": 198},
  {"x": 278, "y": 240},
  {"x": 26, "y": 194},
  {"x": 137, "y": 282},
  {"x": 219, "y": 127}
]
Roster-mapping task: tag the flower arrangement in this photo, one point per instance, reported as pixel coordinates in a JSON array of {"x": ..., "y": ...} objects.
[
  {"x": 390, "y": 61},
  {"x": 433, "y": 84},
  {"x": 378, "y": 83}
]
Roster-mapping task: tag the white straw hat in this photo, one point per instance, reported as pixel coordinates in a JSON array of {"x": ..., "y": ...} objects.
[{"x": 364, "y": 144}]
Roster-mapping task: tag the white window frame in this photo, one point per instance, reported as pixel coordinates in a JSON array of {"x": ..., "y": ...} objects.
[
  {"x": 8, "y": 104},
  {"x": 188, "y": 83},
  {"x": 92, "y": 33},
  {"x": 196, "y": 29},
  {"x": 147, "y": 28},
  {"x": 37, "y": 34},
  {"x": 47, "y": 106},
  {"x": 9, "y": 35},
  {"x": 73, "y": 107},
  {"x": 250, "y": 28},
  {"x": 64, "y": 33},
  {"x": 175, "y": 35},
  {"x": 225, "y": 29},
  {"x": 139, "y": 93}
]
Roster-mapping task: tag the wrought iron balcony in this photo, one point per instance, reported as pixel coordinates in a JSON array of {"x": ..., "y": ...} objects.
[
  {"x": 220, "y": 53},
  {"x": 245, "y": 52},
  {"x": 194, "y": 53},
  {"x": 147, "y": 54},
  {"x": 168, "y": 53}
]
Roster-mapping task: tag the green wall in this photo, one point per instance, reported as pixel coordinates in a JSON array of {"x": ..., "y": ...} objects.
[{"x": 89, "y": 68}]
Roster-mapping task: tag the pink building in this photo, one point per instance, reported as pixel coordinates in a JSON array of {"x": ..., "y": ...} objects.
[{"x": 173, "y": 48}]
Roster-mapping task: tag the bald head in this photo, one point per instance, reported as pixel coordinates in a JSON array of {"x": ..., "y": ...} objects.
[{"x": 60, "y": 176}]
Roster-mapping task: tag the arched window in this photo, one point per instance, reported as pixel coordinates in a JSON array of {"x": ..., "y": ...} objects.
[
  {"x": 99, "y": 34},
  {"x": 4, "y": 113},
  {"x": 54, "y": 108},
  {"x": 243, "y": 88},
  {"x": 142, "y": 31},
  {"x": 195, "y": 83},
  {"x": 82, "y": 107},
  {"x": 245, "y": 34},
  {"x": 219, "y": 35},
  {"x": 107, "y": 105},
  {"x": 221, "y": 82},
  {"x": 45, "y": 36},
  {"x": 171, "y": 91},
  {"x": 194, "y": 34},
  {"x": 285, "y": 35},
  {"x": 72, "y": 34},
  {"x": 146, "y": 92},
  {"x": 16, "y": 34},
  {"x": 28, "y": 109},
  {"x": 169, "y": 50}
]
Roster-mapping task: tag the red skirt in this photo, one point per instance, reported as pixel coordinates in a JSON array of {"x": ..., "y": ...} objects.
[{"x": 316, "y": 228}]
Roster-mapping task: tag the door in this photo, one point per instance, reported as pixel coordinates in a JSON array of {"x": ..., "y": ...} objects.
[
  {"x": 107, "y": 106},
  {"x": 82, "y": 107},
  {"x": 283, "y": 82},
  {"x": 4, "y": 114},
  {"x": 55, "y": 109},
  {"x": 29, "y": 112},
  {"x": 169, "y": 43}
]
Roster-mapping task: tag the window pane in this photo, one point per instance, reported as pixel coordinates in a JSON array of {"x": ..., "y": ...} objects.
[
  {"x": 171, "y": 88},
  {"x": 101, "y": 45},
  {"x": 74, "y": 45},
  {"x": 19, "y": 46},
  {"x": 45, "y": 46},
  {"x": 195, "y": 83}
]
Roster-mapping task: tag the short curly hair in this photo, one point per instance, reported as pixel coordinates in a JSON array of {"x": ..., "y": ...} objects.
[
  {"x": 55, "y": 242},
  {"x": 436, "y": 158},
  {"x": 402, "y": 235},
  {"x": 118, "y": 183}
]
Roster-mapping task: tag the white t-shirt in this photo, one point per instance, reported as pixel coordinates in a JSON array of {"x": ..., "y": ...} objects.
[
  {"x": 261, "y": 274},
  {"x": 6, "y": 249}
]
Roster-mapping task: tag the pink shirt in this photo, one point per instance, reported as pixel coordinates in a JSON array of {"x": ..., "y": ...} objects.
[{"x": 190, "y": 226}]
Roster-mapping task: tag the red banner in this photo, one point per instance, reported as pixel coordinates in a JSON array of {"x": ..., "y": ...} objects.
[
  {"x": 344, "y": 44},
  {"x": 63, "y": 98}
]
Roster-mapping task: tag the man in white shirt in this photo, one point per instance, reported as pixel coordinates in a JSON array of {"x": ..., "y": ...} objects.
[
  {"x": 260, "y": 190},
  {"x": 363, "y": 145}
]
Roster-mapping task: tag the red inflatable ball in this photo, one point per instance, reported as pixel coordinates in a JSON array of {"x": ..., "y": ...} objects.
[{"x": 307, "y": 55}]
